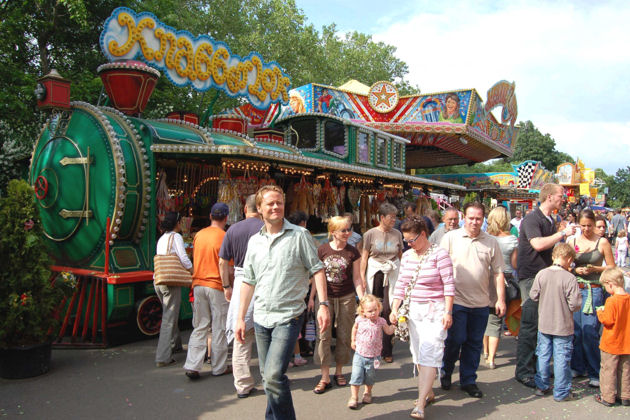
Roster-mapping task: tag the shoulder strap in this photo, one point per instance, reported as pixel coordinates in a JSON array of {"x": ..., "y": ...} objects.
[
  {"x": 169, "y": 246},
  {"x": 597, "y": 243}
]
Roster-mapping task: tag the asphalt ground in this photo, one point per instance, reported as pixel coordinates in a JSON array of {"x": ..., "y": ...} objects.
[{"x": 123, "y": 383}]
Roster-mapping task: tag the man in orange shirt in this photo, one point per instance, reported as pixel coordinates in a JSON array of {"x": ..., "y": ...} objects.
[{"x": 211, "y": 306}]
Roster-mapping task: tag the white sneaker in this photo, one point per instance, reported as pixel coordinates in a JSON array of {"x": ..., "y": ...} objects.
[{"x": 593, "y": 383}]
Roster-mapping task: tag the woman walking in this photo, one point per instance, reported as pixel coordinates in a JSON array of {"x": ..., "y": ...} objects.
[
  {"x": 342, "y": 263},
  {"x": 499, "y": 227},
  {"x": 170, "y": 296},
  {"x": 380, "y": 259},
  {"x": 424, "y": 295}
]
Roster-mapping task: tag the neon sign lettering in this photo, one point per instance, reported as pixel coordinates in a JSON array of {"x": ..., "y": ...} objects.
[{"x": 200, "y": 62}]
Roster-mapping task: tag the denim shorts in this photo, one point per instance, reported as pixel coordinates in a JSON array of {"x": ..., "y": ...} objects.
[{"x": 363, "y": 371}]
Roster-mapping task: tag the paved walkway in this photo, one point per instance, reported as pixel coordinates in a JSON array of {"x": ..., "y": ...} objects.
[{"x": 123, "y": 383}]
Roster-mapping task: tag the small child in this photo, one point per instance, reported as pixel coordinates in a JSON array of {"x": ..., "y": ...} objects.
[
  {"x": 621, "y": 248},
  {"x": 615, "y": 342},
  {"x": 367, "y": 342},
  {"x": 558, "y": 294}
]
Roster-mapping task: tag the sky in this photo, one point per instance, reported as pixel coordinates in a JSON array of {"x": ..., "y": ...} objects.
[{"x": 570, "y": 60}]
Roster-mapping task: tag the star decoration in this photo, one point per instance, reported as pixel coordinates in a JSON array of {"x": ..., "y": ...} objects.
[{"x": 383, "y": 97}]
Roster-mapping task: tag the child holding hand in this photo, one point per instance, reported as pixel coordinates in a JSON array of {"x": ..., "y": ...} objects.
[
  {"x": 558, "y": 294},
  {"x": 615, "y": 341},
  {"x": 367, "y": 342}
]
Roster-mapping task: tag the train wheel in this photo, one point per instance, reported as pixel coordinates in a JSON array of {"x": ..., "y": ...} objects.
[{"x": 149, "y": 315}]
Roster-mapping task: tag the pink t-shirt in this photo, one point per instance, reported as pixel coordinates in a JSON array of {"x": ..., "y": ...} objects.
[{"x": 369, "y": 338}]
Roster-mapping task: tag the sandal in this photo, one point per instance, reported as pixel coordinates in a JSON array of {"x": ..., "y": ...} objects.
[
  {"x": 353, "y": 404},
  {"x": 321, "y": 387},
  {"x": 416, "y": 413},
  {"x": 340, "y": 380},
  {"x": 429, "y": 400},
  {"x": 388, "y": 359},
  {"x": 602, "y": 401},
  {"x": 367, "y": 398}
]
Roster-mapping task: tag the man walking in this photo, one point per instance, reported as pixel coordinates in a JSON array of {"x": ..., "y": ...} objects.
[
  {"x": 451, "y": 222},
  {"x": 618, "y": 223},
  {"x": 476, "y": 256},
  {"x": 279, "y": 261},
  {"x": 210, "y": 303},
  {"x": 234, "y": 248},
  {"x": 536, "y": 240}
]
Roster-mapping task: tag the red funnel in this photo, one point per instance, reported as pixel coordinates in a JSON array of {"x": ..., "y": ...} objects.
[{"x": 128, "y": 84}]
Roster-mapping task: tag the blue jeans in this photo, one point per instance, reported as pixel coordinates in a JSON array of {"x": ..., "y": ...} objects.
[
  {"x": 560, "y": 348},
  {"x": 464, "y": 342},
  {"x": 363, "y": 371},
  {"x": 586, "y": 357},
  {"x": 275, "y": 348}
]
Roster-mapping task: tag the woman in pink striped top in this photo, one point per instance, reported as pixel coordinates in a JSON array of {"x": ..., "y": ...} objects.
[{"x": 430, "y": 304}]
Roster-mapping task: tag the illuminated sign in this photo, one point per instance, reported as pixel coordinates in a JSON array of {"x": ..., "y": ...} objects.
[{"x": 200, "y": 62}]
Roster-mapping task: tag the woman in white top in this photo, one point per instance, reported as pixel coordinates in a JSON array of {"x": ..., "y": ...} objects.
[
  {"x": 499, "y": 227},
  {"x": 170, "y": 296}
]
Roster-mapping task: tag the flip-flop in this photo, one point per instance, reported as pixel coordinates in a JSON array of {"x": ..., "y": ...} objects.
[
  {"x": 340, "y": 380},
  {"x": 602, "y": 401}
]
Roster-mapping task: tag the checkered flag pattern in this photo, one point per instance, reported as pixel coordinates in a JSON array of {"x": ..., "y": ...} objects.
[{"x": 525, "y": 174}]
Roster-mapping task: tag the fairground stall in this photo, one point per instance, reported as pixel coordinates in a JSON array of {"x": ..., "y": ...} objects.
[
  {"x": 103, "y": 175},
  {"x": 517, "y": 190},
  {"x": 580, "y": 184}
]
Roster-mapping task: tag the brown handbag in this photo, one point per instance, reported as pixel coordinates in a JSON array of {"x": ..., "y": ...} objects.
[{"x": 168, "y": 269}]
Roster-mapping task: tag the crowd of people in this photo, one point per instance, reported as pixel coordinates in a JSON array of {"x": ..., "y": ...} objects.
[{"x": 444, "y": 288}]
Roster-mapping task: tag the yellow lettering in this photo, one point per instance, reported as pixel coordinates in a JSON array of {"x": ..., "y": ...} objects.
[
  {"x": 244, "y": 68},
  {"x": 219, "y": 66},
  {"x": 256, "y": 89},
  {"x": 135, "y": 35},
  {"x": 170, "y": 54},
  {"x": 201, "y": 60},
  {"x": 232, "y": 79},
  {"x": 268, "y": 80},
  {"x": 281, "y": 86},
  {"x": 186, "y": 52},
  {"x": 161, "y": 35}
]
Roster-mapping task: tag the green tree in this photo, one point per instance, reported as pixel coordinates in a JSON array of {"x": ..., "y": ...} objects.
[
  {"x": 531, "y": 144},
  {"x": 619, "y": 188}
]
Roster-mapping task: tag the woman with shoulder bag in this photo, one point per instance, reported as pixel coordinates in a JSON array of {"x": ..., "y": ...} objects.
[
  {"x": 423, "y": 305},
  {"x": 171, "y": 242},
  {"x": 499, "y": 227}
]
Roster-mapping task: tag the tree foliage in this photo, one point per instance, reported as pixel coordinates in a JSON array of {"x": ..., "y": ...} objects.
[
  {"x": 531, "y": 144},
  {"x": 619, "y": 188}
]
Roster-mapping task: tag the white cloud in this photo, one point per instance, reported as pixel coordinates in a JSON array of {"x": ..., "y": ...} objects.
[{"x": 569, "y": 61}]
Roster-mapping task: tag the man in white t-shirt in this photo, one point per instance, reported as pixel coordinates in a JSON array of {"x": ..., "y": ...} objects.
[{"x": 516, "y": 221}]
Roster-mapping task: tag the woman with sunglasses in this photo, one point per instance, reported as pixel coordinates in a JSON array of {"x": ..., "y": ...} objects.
[
  {"x": 342, "y": 263},
  {"x": 425, "y": 287}
]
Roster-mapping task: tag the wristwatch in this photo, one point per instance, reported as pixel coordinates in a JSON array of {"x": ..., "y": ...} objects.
[
  {"x": 226, "y": 286},
  {"x": 325, "y": 303}
]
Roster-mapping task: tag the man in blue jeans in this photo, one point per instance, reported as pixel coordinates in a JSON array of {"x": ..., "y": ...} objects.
[
  {"x": 476, "y": 256},
  {"x": 280, "y": 260}
]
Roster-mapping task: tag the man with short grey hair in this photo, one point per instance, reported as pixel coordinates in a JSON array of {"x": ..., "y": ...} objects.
[{"x": 451, "y": 222}]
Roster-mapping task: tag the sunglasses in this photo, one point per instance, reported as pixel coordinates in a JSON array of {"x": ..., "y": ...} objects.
[
  {"x": 411, "y": 240},
  {"x": 345, "y": 230}
]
